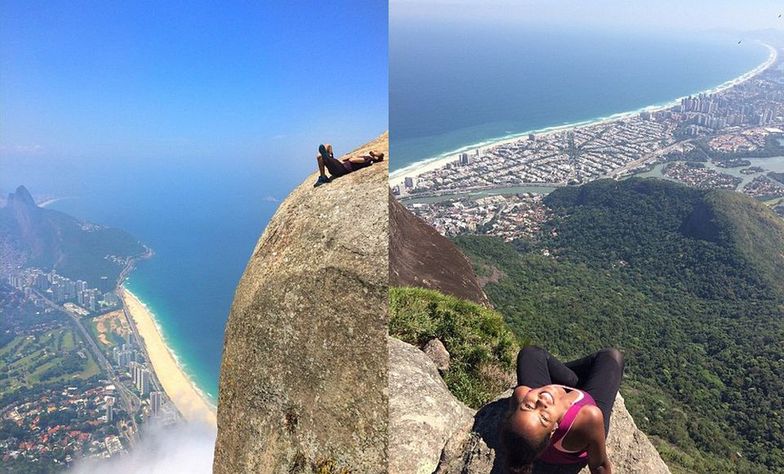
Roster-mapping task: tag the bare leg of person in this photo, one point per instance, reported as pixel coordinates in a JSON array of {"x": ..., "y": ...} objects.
[
  {"x": 321, "y": 168},
  {"x": 360, "y": 159},
  {"x": 322, "y": 179}
]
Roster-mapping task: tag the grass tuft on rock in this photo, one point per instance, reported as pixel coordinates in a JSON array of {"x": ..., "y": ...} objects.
[{"x": 482, "y": 349}]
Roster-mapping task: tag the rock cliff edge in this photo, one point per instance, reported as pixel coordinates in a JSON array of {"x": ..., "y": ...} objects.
[{"x": 306, "y": 335}]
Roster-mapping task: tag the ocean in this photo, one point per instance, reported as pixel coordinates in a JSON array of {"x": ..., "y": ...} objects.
[
  {"x": 202, "y": 222},
  {"x": 459, "y": 84}
]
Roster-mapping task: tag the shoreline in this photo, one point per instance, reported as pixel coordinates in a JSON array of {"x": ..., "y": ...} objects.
[
  {"x": 51, "y": 201},
  {"x": 413, "y": 170},
  {"x": 181, "y": 390}
]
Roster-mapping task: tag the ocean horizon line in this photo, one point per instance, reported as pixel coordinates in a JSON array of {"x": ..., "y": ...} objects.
[{"x": 411, "y": 169}]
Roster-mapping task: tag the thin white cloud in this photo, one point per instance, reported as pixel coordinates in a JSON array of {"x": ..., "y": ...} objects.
[
  {"x": 181, "y": 448},
  {"x": 21, "y": 149}
]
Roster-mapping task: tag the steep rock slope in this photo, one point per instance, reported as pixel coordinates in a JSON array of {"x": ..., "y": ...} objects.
[
  {"x": 421, "y": 257},
  {"x": 303, "y": 378},
  {"x": 423, "y": 414}
]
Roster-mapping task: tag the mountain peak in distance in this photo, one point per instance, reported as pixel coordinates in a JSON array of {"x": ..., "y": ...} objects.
[{"x": 21, "y": 196}]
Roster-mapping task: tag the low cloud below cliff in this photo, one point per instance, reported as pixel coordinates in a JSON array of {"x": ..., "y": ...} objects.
[{"x": 182, "y": 448}]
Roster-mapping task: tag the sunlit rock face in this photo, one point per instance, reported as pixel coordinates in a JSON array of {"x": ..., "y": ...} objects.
[{"x": 304, "y": 372}]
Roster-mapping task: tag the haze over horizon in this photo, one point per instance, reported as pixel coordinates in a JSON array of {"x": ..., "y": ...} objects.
[
  {"x": 146, "y": 83},
  {"x": 667, "y": 15}
]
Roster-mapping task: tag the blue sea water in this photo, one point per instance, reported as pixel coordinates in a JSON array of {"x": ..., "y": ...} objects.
[
  {"x": 202, "y": 222},
  {"x": 458, "y": 83}
]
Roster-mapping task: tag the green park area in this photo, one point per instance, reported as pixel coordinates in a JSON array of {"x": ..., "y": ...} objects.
[{"x": 52, "y": 357}]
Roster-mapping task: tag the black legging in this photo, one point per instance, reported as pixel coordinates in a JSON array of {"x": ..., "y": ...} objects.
[
  {"x": 334, "y": 166},
  {"x": 598, "y": 374}
]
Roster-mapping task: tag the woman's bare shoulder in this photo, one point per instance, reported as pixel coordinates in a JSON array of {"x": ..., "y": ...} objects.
[
  {"x": 587, "y": 427},
  {"x": 589, "y": 420}
]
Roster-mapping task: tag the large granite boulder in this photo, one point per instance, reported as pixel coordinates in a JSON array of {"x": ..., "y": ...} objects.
[
  {"x": 304, "y": 372},
  {"x": 421, "y": 257},
  {"x": 476, "y": 449},
  {"x": 423, "y": 413}
]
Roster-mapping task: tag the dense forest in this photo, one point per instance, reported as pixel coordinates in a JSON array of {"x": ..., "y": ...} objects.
[{"x": 688, "y": 283}]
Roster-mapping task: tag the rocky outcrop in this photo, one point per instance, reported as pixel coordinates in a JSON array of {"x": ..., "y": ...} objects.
[
  {"x": 421, "y": 257},
  {"x": 423, "y": 413},
  {"x": 477, "y": 450},
  {"x": 21, "y": 197},
  {"x": 437, "y": 352},
  {"x": 629, "y": 448},
  {"x": 304, "y": 372},
  {"x": 33, "y": 236}
]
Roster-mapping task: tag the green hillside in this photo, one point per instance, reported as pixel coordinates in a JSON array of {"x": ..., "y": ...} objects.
[
  {"x": 688, "y": 284},
  {"x": 49, "y": 239},
  {"x": 482, "y": 349}
]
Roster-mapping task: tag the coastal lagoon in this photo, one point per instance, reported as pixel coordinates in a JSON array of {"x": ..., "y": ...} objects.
[
  {"x": 768, "y": 164},
  {"x": 775, "y": 163},
  {"x": 482, "y": 85}
]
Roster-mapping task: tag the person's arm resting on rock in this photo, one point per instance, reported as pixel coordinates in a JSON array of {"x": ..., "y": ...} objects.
[{"x": 598, "y": 462}]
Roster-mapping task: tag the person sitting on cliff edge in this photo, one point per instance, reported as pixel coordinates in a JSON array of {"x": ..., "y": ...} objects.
[
  {"x": 559, "y": 414},
  {"x": 327, "y": 161}
]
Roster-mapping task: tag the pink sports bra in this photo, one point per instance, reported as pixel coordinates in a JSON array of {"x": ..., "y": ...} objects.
[{"x": 555, "y": 453}]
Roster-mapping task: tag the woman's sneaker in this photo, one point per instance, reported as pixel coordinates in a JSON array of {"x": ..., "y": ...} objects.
[{"x": 321, "y": 180}]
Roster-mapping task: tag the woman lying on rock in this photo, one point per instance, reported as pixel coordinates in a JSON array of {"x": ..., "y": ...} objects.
[
  {"x": 559, "y": 414},
  {"x": 326, "y": 161}
]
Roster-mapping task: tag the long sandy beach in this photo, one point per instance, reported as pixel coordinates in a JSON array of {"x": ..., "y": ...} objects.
[
  {"x": 397, "y": 177},
  {"x": 178, "y": 386}
]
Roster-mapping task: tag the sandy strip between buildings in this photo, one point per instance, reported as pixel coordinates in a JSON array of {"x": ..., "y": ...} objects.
[{"x": 178, "y": 386}]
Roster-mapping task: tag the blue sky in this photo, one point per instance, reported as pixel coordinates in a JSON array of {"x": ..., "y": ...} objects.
[{"x": 245, "y": 82}]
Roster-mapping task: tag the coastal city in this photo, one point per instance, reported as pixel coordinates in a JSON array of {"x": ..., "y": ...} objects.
[
  {"x": 510, "y": 217},
  {"x": 706, "y": 141},
  {"x": 78, "y": 382}
]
